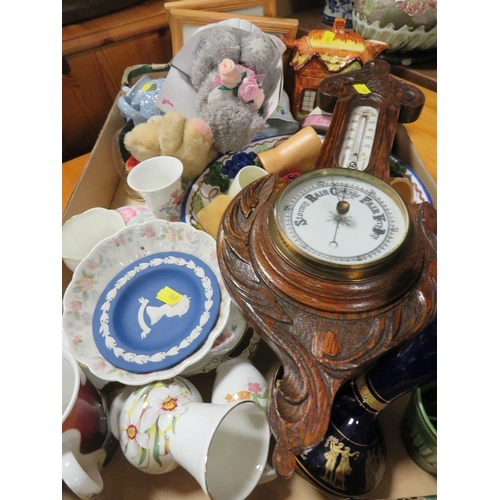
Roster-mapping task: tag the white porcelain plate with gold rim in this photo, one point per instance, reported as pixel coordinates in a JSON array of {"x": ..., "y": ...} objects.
[{"x": 107, "y": 260}]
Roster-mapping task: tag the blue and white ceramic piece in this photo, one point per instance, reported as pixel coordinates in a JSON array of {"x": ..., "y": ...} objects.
[
  {"x": 138, "y": 103},
  {"x": 100, "y": 267},
  {"x": 335, "y": 9},
  {"x": 136, "y": 329}
]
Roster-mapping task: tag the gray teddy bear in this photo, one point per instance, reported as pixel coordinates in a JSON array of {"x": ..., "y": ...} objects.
[{"x": 227, "y": 72}]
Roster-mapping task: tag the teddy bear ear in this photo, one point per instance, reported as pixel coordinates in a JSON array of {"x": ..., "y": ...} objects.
[
  {"x": 258, "y": 52},
  {"x": 217, "y": 44}
]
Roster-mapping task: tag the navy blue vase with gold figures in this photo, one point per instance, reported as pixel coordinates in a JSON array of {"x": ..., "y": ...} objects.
[{"x": 350, "y": 460}]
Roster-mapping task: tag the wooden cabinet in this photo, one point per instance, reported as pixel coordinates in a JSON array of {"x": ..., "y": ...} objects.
[{"x": 95, "y": 55}]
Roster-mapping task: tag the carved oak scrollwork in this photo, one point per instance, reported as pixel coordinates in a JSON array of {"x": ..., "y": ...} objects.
[
  {"x": 326, "y": 327},
  {"x": 322, "y": 330}
]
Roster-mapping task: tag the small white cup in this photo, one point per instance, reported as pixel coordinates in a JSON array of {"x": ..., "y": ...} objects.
[
  {"x": 84, "y": 231},
  {"x": 245, "y": 177},
  {"x": 238, "y": 379},
  {"x": 159, "y": 181}
]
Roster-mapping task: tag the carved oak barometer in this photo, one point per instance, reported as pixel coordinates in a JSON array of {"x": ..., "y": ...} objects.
[{"x": 332, "y": 269}]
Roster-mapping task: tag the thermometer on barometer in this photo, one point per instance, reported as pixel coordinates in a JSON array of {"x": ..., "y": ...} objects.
[{"x": 358, "y": 140}]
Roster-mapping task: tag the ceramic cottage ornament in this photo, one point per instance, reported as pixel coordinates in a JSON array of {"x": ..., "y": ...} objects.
[
  {"x": 228, "y": 72},
  {"x": 320, "y": 54}
]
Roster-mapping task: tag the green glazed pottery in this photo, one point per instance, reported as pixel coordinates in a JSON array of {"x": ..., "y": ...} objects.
[{"x": 419, "y": 427}]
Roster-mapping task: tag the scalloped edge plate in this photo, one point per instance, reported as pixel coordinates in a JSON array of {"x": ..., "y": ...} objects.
[
  {"x": 108, "y": 258},
  {"x": 138, "y": 329}
]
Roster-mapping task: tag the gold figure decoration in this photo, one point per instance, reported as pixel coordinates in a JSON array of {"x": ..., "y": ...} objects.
[
  {"x": 331, "y": 458},
  {"x": 344, "y": 469},
  {"x": 337, "y": 471}
]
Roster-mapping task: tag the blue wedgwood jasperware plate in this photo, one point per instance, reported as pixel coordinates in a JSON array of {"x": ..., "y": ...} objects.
[
  {"x": 134, "y": 329},
  {"x": 110, "y": 258}
]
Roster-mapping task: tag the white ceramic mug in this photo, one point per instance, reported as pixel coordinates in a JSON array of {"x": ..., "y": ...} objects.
[
  {"x": 238, "y": 379},
  {"x": 84, "y": 431},
  {"x": 84, "y": 231},
  {"x": 245, "y": 177},
  {"x": 159, "y": 181}
]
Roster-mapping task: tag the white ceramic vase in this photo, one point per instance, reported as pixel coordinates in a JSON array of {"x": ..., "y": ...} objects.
[
  {"x": 143, "y": 419},
  {"x": 238, "y": 379},
  {"x": 224, "y": 447},
  {"x": 165, "y": 424}
]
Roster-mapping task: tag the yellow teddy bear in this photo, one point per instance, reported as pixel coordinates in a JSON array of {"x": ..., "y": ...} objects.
[{"x": 173, "y": 134}]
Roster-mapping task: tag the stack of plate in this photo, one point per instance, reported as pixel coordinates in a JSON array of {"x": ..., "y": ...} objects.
[{"x": 149, "y": 303}]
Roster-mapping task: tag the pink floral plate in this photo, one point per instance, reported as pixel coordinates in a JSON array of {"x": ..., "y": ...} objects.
[{"x": 99, "y": 268}]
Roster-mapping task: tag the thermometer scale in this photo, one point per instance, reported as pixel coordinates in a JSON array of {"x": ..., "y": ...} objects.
[
  {"x": 366, "y": 107},
  {"x": 358, "y": 141}
]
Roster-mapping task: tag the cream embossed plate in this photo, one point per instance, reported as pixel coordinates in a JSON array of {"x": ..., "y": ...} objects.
[{"x": 108, "y": 259}]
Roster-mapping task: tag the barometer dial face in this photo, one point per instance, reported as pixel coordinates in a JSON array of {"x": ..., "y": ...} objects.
[{"x": 339, "y": 218}]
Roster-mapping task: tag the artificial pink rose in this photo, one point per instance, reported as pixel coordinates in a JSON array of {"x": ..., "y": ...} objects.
[
  {"x": 250, "y": 72},
  {"x": 216, "y": 80},
  {"x": 229, "y": 73},
  {"x": 248, "y": 90},
  {"x": 258, "y": 100}
]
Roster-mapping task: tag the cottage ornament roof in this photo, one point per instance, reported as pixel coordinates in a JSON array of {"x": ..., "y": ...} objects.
[{"x": 336, "y": 50}]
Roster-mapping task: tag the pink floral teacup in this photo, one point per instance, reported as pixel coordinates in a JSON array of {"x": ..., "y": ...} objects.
[{"x": 159, "y": 181}]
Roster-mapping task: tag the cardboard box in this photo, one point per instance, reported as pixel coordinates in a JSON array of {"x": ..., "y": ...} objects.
[{"x": 101, "y": 185}]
